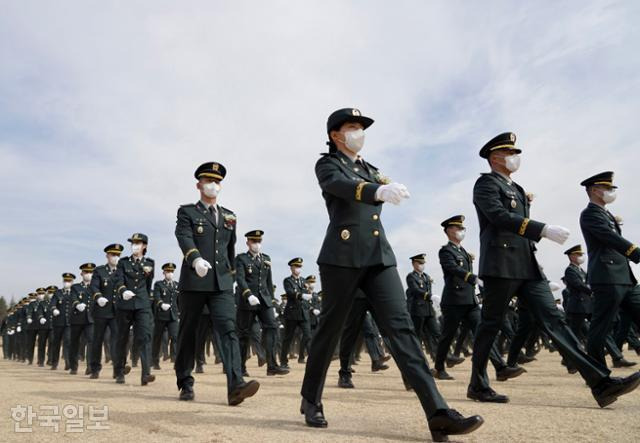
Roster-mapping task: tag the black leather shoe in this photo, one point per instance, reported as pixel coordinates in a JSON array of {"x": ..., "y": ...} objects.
[
  {"x": 94, "y": 375},
  {"x": 146, "y": 379},
  {"x": 66, "y": 366},
  {"x": 87, "y": 371},
  {"x": 54, "y": 367},
  {"x": 245, "y": 373},
  {"x": 441, "y": 375},
  {"x": 345, "y": 382},
  {"x": 285, "y": 366},
  {"x": 156, "y": 367},
  {"x": 524, "y": 359},
  {"x": 608, "y": 390},
  {"x": 41, "y": 365},
  {"x": 487, "y": 395},
  {"x": 313, "y": 414},
  {"x": 378, "y": 365},
  {"x": 508, "y": 372},
  {"x": 452, "y": 361},
  {"x": 126, "y": 369},
  {"x": 277, "y": 371},
  {"x": 301, "y": 361},
  {"x": 572, "y": 370},
  {"x": 120, "y": 379},
  {"x": 623, "y": 363},
  {"x": 73, "y": 371},
  {"x": 386, "y": 358},
  {"x": 451, "y": 422},
  {"x": 199, "y": 369},
  {"x": 186, "y": 393},
  {"x": 243, "y": 391},
  {"x": 261, "y": 362}
]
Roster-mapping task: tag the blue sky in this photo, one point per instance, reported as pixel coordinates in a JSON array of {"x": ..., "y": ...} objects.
[{"x": 106, "y": 110}]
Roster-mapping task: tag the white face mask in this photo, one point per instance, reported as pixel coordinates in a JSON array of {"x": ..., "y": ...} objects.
[
  {"x": 40, "y": 297},
  {"x": 255, "y": 247},
  {"x": 354, "y": 140},
  {"x": 66, "y": 284},
  {"x": 512, "y": 162},
  {"x": 420, "y": 267},
  {"x": 311, "y": 286},
  {"x": 168, "y": 275},
  {"x": 580, "y": 259},
  {"x": 296, "y": 271},
  {"x": 136, "y": 248},
  {"x": 113, "y": 260},
  {"x": 211, "y": 190},
  {"x": 87, "y": 277},
  {"x": 609, "y": 196},
  {"x": 460, "y": 235}
]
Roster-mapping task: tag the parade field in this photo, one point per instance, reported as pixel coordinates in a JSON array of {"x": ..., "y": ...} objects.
[{"x": 547, "y": 405}]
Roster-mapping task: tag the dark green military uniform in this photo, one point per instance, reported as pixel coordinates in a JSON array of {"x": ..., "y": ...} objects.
[
  {"x": 296, "y": 314},
  {"x": 42, "y": 318},
  {"x": 81, "y": 321},
  {"x": 420, "y": 307},
  {"x": 609, "y": 273},
  {"x": 59, "y": 306},
  {"x": 508, "y": 267},
  {"x": 103, "y": 285},
  {"x": 165, "y": 295},
  {"x": 579, "y": 301}
]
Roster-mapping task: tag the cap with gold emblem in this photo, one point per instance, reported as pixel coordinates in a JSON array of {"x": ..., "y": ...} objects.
[
  {"x": 211, "y": 170},
  {"x": 604, "y": 179},
  {"x": 456, "y": 220},
  {"x": 114, "y": 248},
  {"x": 254, "y": 235},
  {"x": 169, "y": 267},
  {"x": 577, "y": 249},
  {"x": 310, "y": 279},
  {"x": 138, "y": 237},
  {"x": 41, "y": 290},
  {"x": 33, "y": 294},
  {"x": 347, "y": 115},
  {"x": 420, "y": 258},
  {"x": 506, "y": 140},
  {"x": 51, "y": 289},
  {"x": 87, "y": 267},
  {"x": 295, "y": 262},
  {"x": 68, "y": 276}
]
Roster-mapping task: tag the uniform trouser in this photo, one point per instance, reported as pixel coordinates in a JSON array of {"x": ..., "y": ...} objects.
[
  {"x": 354, "y": 325},
  {"x": 290, "y": 327},
  {"x": 256, "y": 338},
  {"x": 579, "y": 324},
  {"x": 526, "y": 325},
  {"x": 85, "y": 330},
  {"x": 43, "y": 336},
  {"x": 371, "y": 341},
  {"x": 31, "y": 343},
  {"x": 245, "y": 321},
  {"x": 171, "y": 327},
  {"x": 626, "y": 331},
  {"x": 100, "y": 325},
  {"x": 222, "y": 311},
  {"x": 60, "y": 336},
  {"x": 141, "y": 320},
  {"x": 384, "y": 291},
  {"x": 536, "y": 296},
  {"x": 203, "y": 332},
  {"x": 428, "y": 330},
  {"x": 607, "y": 300},
  {"x": 464, "y": 333},
  {"x": 453, "y": 316}
]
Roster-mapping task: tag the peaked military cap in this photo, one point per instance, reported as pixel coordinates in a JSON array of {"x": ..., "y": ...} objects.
[
  {"x": 420, "y": 258},
  {"x": 88, "y": 267},
  {"x": 347, "y": 115},
  {"x": 456, "y": 220},
  {"x": 138, "y": 236},
  {"x": 68, "y": 276},
  {"x": 295, "y": 262},
  {"x": 41, "y": 290},
  {"x": 311, "y": 279},
  {"x": 506, "y": 140},
  {"x": 211, "y": 170},
  {"x": 169, "y": 267},
  {"x": 114, "y": 248},
  {"x": 254, "y": 235},
  {"x": 52, "y": 288},
  {"x": 604, "y": 178},
  {"x": 577, "y": 249}
]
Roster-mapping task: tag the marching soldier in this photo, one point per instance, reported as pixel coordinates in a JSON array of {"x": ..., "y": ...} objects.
[
  {"x": 255, "y": 300},
  {"x": 295, "y": 314},
  {"x": 32, "y": 323},
  {"x": 206, "y": 233},
  {"x": 59, "y": 305},
  {"x": 165, "y": 295},
  {"x": 609, "y": 273},
  {"x": 103, "y": 306},
  {"x": 80, "y": 318},
  {"x": 42, "y": 319},
  {"x": 579, "y": 305},
  {"x": 459, "y": 301},
  {"x": 508, "y": 267},
  {"x": 134, "y": 277},
  {"x": 357, "y": 256}
]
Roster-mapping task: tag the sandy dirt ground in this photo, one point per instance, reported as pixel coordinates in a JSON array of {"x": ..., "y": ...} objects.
[{"x": 547, "y": 405}]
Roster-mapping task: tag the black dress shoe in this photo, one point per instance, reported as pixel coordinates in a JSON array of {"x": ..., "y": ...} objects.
[
  {"x": 245, "y": 373},
  {"x": 94, "y": 375},
  {"x": 54, "y": 367},
  {"x": 186, "y": 393},
  {"x": 120, "y": 379},
  {"x": 487, "y": 395},
  {"x": 608, "y": 390},
  {"x": 452, "y": 361},
  {"x": 313, "y": 414},
  {"x": 451, "y": 422},
  {"x": 87, "y": 371},
  {"x": 41, "y": 365},
  {"x": 386, "y": 358},
  {"x": 524, "y": 359},
  {"x": 146, "y": 379},
  {"x": 243, "y": 391},
  {"x": 134, "y": 364},
  {"x": 285, "y": 366},
  {"x": 73, "y": 371},
  {"x": 378, "y": 365},
  {"x": 301, "y": 361},
  {"x": 126, "y": 369},
  {"x": 66, "y": 366},
  {"x": 623, "y": 363},
  {"x": 261, "y": 362},
  {"x": 199, "y": 369},
  {"x": 277, "y": 371},
  {"x": 571, "y": 370},
  {"x": 345, "y": 382},
  {"x": 508, "y": 372},
  {"x": 441, "y": 375},
  {"x": 156, "y": 367}
]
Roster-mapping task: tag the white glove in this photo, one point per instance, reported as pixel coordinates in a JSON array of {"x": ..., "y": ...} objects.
[
  {"x": 392, "y": 193},
  {"x": 479, "y": 282},
  {"x": 275, "y": 314},
  {"x": 29, "y": 321},
  {"x": 281, "y": 327},
  {"x": 556, "y": 233},
  {"x": 554, "y": 286},
  {"x": 56, "y": 312},
  {"x": 253, "y": 300},
  {"x": 11, "y": 332},
  {"x": 165, "y": 306},
  {"x": 80, "y": 307},
  {"x": 43, "y": 321},
  {"x": 101, "y": 301},
  {"x": 19, "y": 329},
  {"x": 278, "y": 298},
  {"x": 201, "y": 266},
  {"x": 306, "y": 297},
  {"x": 316, "y": 312},
  {"x": 128, "y": 295}
]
